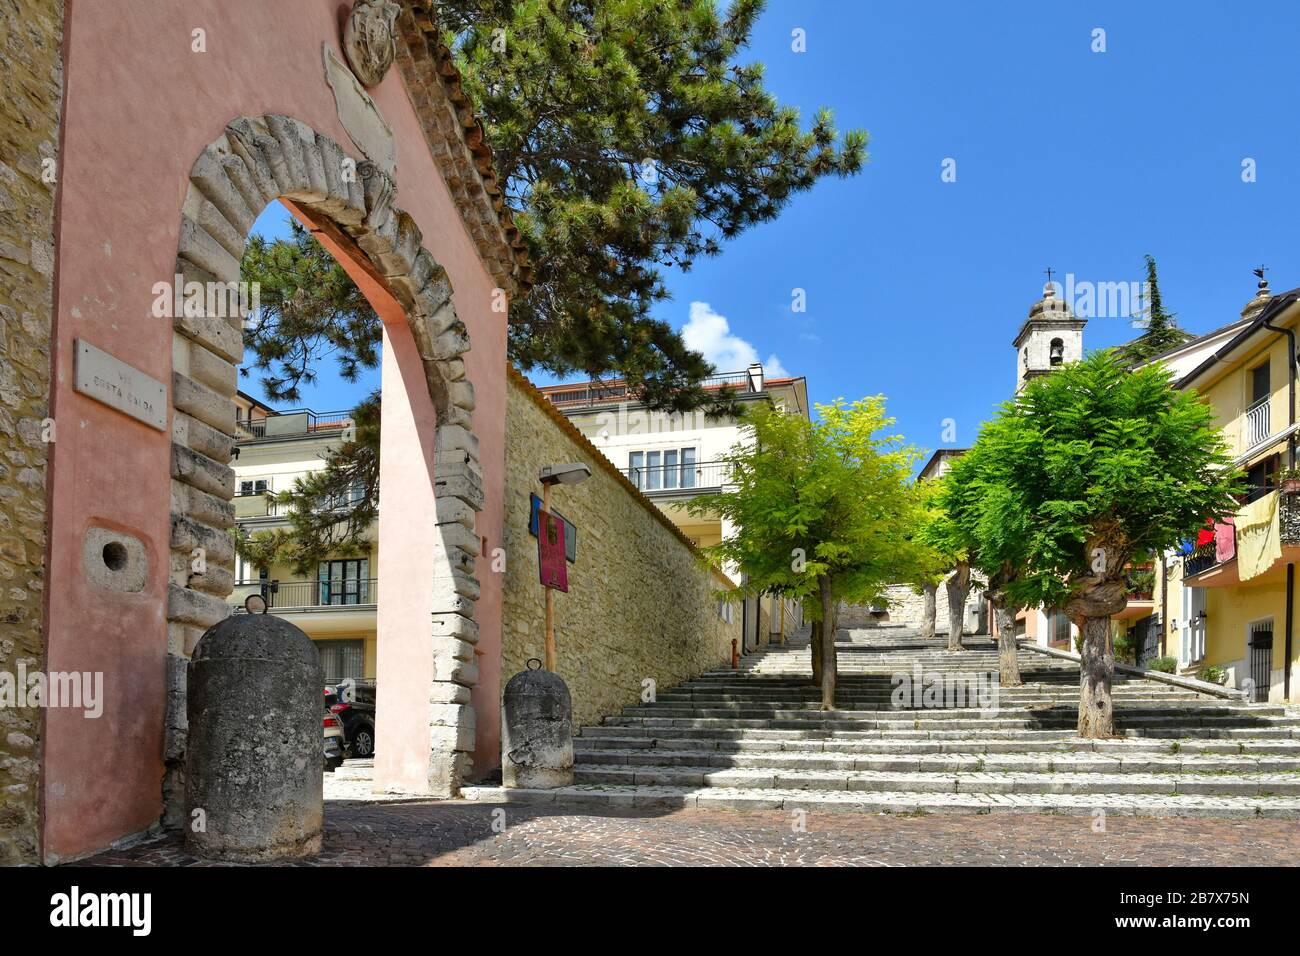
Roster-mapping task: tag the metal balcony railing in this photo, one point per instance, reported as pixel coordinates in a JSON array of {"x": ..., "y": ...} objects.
[
  {"x": 291, "y": 424},
  {"x": 285, "y": 595},
  {"x": 1259, "y": 421},
  {"x": 690, "y": 478},
  {"x": 1205, "y": 557},
  {"x": 587, "y": 394},
  {"x": 262, "y": 504}
]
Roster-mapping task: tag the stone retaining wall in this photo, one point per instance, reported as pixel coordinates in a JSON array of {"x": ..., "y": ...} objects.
[
  {"x": 31, "y": 38},
  {"x": 905, "y": 606},
  {"x": 640, "y": 605}
]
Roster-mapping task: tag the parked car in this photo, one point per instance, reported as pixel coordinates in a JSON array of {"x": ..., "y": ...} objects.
[
  {"x": 354, "y": 704},
  {"x": 335, "y": 741}
]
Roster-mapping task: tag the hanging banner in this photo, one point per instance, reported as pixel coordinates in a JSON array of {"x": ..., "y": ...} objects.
[
  {"x": 570, "y": 529},
  {"x": 551, "y": 563}
]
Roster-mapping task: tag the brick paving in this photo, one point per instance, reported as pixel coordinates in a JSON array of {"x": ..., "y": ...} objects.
[{"x": 461, "y": 833}]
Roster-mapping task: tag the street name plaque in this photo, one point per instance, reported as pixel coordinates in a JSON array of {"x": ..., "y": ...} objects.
[{"x": 106, "y": 379}]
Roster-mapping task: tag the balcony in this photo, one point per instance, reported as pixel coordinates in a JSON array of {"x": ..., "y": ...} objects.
[
  {"x": 590, "y": 394},
  {"x": 296, "y": 423},
  {"x": 282, "y": 596},
  {"x": 262, "y": 504},
  {"x": 1140, "y": 600},
  {"x": 1259, "y": 422},
  {"x": 684, "y": 480},
  {"x": 1202, "y": 568}
]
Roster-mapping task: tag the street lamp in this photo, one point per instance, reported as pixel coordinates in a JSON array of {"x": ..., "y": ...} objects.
[{"x": 550, "y": 476}]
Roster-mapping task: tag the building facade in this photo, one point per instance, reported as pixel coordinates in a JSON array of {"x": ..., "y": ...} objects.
[
  {"x": 673, "y": 458},
  {"x": 336, "y": 601},
  {"x": 1229, "y": 595}
]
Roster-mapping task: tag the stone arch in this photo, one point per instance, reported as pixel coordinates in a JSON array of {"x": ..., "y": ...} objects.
[{"x": 256, "y": 161}]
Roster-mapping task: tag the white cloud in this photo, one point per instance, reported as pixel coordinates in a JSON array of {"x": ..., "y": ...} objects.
[{"x": 709, "y": 333}]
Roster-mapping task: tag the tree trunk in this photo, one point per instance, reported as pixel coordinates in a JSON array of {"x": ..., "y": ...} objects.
[
  {"x": 815, "y": 652},
  {"x": 1008, "y": 664},
  {"x": 958, "y": 585},
  {"x": 1096, "y": 710},
  {"x": 828, "y": 645},
  {"x": 928, "y": 592}
]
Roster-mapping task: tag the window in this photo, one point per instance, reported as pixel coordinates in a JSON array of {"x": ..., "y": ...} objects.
[
  {"x": 1056, "y": 352},
  {"x": 342, "y": 659},
  {"x": 255, "y": 486},
  {"x": 344, "y": 581},
  {"x": 1259, "y": 384},
  {"x": 243, "y": 570},
  {"x": 653, "y": 473},
  {"x": 688, "y": 468},
  {"x": 1058, "y": 627},
  {"x": 662, "y": 470},
  {"x": 350, "y": 498},
  {"x": 1261, "y": 478}
]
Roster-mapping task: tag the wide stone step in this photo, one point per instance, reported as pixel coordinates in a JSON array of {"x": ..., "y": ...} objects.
[
  {"x": 901, "y": 802},
  {"x": 972, "y": 746},
  {"x": 1054, "y": 720},
  {"x": 1123, "y": 709},
  {"x": 1021, "y": 733},
  {"x": 1034, "y": 762},
  {"x": 974, "y": 781}
]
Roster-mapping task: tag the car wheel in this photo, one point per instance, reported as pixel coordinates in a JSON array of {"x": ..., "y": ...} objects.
[{"x": 363, "y": 741}]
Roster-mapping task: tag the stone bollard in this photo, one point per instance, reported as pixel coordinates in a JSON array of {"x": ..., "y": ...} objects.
[
  {"x": 536, "y": 731},
  {"x": 254, "y": 760}
]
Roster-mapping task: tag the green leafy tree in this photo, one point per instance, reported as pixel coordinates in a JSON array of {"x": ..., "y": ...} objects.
[
  {"x": 980, "y": 520},
  {"x": 934, "y": 560},
  {"x": 824, "y": 511},
  {"x": 1162, "y": 332},
  {"x": 1100, "y": 464}
]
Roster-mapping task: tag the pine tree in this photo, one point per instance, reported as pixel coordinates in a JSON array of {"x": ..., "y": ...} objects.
[{"x": 1162, "y": 332}]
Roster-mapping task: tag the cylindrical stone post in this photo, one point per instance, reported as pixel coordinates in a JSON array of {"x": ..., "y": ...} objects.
[
  {"x": 254, "y": 762},
  {"x": 536, "y": 731}
]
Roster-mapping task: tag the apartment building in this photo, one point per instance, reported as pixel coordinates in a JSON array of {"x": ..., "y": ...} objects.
[
  {"x": 673, "y": 458},
  {"x": 336, "y": 603},
  {"x": 1229, "y": 595}
]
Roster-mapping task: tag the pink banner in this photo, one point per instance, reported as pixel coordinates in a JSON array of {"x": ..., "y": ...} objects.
[{"x": 551, "y": 561}]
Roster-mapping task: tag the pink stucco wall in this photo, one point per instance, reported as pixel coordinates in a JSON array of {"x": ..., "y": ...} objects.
[{"x": 134, "y": 126}]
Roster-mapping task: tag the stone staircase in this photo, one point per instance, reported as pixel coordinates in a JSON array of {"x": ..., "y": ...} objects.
[{"x": 756, "y": 738}]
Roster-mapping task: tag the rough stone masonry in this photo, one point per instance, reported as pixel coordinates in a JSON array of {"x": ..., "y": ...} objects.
[
  {"x": 31, "y": 37},
  {"x": 641, "y": 606}
]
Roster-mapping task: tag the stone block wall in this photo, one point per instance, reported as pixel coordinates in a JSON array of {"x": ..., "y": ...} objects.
[
  {"x": 905, "y": 607},
  {"x": 639, "y": 605},
  {"x": 31, "y": 38}
]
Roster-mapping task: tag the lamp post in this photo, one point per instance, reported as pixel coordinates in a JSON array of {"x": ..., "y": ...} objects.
[{"x": 550, "y": 476}]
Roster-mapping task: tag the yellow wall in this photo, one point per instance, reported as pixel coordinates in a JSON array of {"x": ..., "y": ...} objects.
[
  {"x": 1230, "y": 611},
  {"x": 1230, "y": 393}
]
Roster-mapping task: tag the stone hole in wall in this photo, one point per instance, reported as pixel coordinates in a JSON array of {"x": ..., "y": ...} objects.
[
  {"x": 114, "y": 554},
  {"x": 115, "y": 560}
]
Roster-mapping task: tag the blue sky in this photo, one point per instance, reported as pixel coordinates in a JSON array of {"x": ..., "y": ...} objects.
[{"x": 1065, "y": 157}]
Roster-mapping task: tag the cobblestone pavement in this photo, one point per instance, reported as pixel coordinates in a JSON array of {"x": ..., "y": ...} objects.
[{"x": 459, "y": 833}]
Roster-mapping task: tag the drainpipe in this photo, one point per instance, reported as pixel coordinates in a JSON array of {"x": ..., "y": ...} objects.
[{"x": 1290, "y": 444}]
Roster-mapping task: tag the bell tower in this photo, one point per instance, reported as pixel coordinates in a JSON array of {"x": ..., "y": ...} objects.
[{"x": 1050, "y": 337}]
